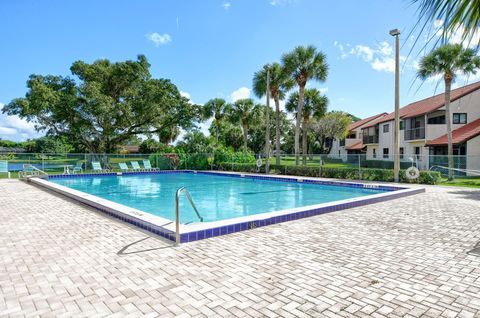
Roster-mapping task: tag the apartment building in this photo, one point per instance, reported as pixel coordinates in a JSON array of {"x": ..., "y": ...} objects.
[{"x": 423, "y": 132}]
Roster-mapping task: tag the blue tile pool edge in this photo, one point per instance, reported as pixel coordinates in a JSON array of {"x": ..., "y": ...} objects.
[
  {"x": 232, "y": 228},
  {"x": 242, "y": 226}
]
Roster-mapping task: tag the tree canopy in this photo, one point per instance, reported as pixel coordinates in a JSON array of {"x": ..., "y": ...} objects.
[
  {"x": 457, "y": 16},
  {"x": 334, "y": 125},
  {"x": 104, "y": 104}
]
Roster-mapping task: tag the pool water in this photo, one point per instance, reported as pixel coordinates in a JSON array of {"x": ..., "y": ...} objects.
[{"x": 217, "y": 197}]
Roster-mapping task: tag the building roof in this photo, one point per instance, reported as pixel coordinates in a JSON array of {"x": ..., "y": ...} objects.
[
  {"x": 459, "y": 135},
  {"x": 356, "y": 146},
  {"x": 427, "y": 105},
  {"x": 11, "y": 150},
  {"x": 364, "y": 121}
]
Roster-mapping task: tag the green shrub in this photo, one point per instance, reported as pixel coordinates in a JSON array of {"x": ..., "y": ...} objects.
[
  {"x": 221, "y": 155},
  {"x": 242, "y": 167},
  {"x": 370, "y": 174},
  {"x": 197, "y": 161},
  {"x": 164, "y": 161},
  {"x": 383, "y": 164}
]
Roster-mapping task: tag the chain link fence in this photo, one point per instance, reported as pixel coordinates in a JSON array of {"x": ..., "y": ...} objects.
[{"x": 351, "y": 166}]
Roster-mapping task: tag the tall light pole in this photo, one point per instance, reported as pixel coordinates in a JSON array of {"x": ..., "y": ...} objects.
[
  {"x": 396, "y": 141},
  {"x": 267, "y": 120}
]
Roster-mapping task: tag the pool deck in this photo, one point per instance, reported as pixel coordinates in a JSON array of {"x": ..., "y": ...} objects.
[{"x": 401, "y": 258}]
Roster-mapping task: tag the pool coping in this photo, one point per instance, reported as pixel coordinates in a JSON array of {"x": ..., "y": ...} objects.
[{"x": 197, "y": 231}]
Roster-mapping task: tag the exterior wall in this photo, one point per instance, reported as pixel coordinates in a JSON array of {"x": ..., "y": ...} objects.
[
  {"x": 385, "y": 140},
  {"x": 469, "y": 104},
  {"x": 473, "y": 155},
  {"x": 338, "y": 151},
  {"x": 370, "y": 152},
  {"x": 341, "y": 151}
]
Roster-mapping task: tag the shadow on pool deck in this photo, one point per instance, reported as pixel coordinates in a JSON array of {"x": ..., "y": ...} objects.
[
  {"x": 123, "y": 250},
  {"x": 468, "y": 194}
]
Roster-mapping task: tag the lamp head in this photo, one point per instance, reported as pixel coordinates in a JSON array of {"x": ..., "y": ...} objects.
[{"x": 395, "y": 32}]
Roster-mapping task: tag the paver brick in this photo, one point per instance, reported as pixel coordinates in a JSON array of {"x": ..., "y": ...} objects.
[{"x": 401, "y": 258}]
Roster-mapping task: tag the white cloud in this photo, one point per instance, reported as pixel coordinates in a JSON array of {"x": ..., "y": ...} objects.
[
  {"x": 456, "y": 36},
  {"x": 159, "y": 39},
  {"x": 8, "y": 131},
  {"x": 386, "y": 64},
  {"x": 323, "y": 90},
  {"x": 242, "y": 92},
  {"x": 365, "y": 52},
  {"x": 226, "y": 5},
  {"x": 15, "y": 128},
  {"x": 343, "y": 53},
  {"x": 186, "y": 95},
  {"x": 380, "y": 56},
  {"x": 281, "y": 2}
]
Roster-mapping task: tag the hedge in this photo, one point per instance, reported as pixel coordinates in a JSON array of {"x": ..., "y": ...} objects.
[
  {"x": 370, "y": 174},
  {"x": 383, "y": 164}
]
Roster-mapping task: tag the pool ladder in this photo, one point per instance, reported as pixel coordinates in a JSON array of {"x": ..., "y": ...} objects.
[{"x": 177, "y": 211}]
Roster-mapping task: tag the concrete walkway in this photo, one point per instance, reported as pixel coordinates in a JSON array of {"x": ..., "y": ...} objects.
[{"x": 401, "y": 258}]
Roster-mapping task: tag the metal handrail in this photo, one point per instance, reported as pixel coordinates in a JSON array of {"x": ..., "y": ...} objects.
[
  {"x": 177, "y": 212},
  {"x": 34, "y": 172}
]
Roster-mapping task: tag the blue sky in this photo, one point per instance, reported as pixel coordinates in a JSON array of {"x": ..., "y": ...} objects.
[{"x": 212, "y": 48}]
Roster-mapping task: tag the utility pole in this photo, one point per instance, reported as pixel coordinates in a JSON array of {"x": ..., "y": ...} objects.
[
  {"x": 267, "y": 119},
  {"x": 396, "y": 142}
]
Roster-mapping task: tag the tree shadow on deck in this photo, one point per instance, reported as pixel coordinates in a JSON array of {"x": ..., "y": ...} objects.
[{"x": 468, "y": 194}]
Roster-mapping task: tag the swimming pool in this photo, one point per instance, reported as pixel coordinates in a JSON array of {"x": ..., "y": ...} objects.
[
  {"x": 227, "y": 200},
  {"x": 217, "y": 197}
]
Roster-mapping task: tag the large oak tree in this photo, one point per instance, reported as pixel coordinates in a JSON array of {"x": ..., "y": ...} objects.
[{"x": 104, "y": 104}]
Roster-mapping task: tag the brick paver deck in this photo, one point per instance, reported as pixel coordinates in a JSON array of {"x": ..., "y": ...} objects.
[{"x": 402, "y": 258}]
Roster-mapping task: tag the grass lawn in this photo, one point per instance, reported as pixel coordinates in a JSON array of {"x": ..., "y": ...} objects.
[
  {"x": 13, "y": 175},
  {"x": 312, "y": 163},
  {"x": 470, "y": 182}
]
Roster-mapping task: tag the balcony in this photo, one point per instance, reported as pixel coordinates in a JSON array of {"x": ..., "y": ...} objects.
[
  {"x": 415, "y": 133},
  {"x": 370, "y": 139}
]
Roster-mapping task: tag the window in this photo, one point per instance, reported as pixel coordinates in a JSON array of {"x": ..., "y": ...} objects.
[
  {"x": 352, "y": 135},
  {"x": 438, "y": 120},
  {"x": 402, "y": 125},
  {"x": 417, "y": 153},
  {"x": 401, "y": 152},
  {"x": 459, "y": 118},
  {"x": 385, "y": 128},
  {"x": 374, "y": 154},
  {"x": 385, "y": 153},
  {"x": 342, "y": 142}
]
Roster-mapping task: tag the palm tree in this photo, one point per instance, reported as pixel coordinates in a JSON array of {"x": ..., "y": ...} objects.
[
  {"x": 168, "y": 135},
  {"x": 303, "y": 64},
  {"x": 279, "y": 83},
  {"x": 457, "y": 15},
  {"x": 245, "y": 113},
  {"x": 448, "y": 61},
  {"x": 216, "y": 108},
  {"x": 314, "y": 105}
]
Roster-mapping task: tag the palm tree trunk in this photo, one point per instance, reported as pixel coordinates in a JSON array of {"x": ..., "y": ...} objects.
[
  {"x": 277, "y": 132},
  {"x": 304, "y": 140},
  {"x": 448, "y": 85},
  {"x": 245, "y": 137},
  {"x": 301, "y": 93},
  {"x": 216, "y": 132}
]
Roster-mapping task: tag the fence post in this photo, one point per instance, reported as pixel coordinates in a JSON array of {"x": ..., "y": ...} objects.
[{"x": 359, "y": 166}]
